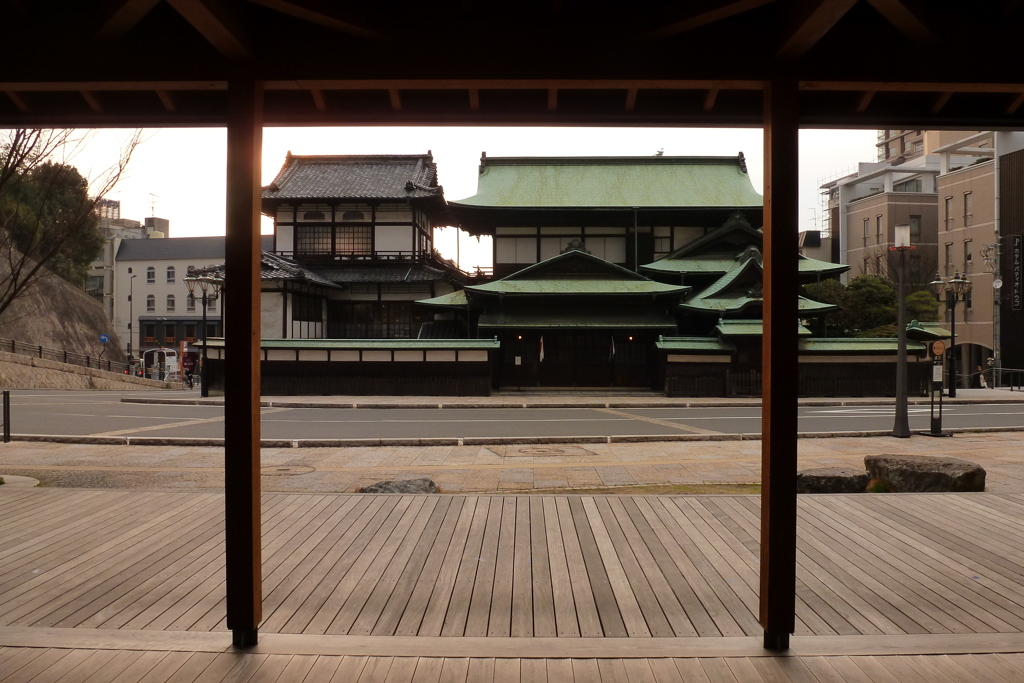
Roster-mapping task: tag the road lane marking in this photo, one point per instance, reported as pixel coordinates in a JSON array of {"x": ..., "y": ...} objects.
[
  {"x": 173, "y": 425},
  {"x": 654, "y": 420}
]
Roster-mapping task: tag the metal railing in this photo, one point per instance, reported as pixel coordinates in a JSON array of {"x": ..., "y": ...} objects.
[
  {"x": 1012, "y": 378},
  {"x": 70, "y": 357}
]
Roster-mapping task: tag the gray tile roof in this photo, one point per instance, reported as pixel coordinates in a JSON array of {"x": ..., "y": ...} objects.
[
  {"x": 274, "y": 267},
  {"x": 380, "y": 176},
  {"x": 415, "y": 273},
  {"x": 176, "y": 248}
]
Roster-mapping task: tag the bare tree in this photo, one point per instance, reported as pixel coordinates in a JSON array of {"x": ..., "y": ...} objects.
[{"x": 39, "y": 219}]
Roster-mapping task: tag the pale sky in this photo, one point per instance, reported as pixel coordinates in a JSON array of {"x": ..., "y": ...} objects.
[{"x": 178, "y": 174}]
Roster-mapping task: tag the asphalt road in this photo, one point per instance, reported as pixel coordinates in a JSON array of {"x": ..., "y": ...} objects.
[{"x": 95, "y": 413}]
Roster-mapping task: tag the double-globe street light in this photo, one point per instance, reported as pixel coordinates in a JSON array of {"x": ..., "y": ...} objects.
[
  {"x": 208, "y": 288},
  {"x": 957, "y": 289}
]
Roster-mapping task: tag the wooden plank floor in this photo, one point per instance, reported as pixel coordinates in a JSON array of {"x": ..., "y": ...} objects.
[
  {"x": 938, "y": 573},
  {"x": 24, "y": 665}
]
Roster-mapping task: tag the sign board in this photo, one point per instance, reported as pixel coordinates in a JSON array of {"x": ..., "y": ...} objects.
[
  {"x": 937, "y": 372},
  {"x": 938, "y": 348},
  {"x": 1016, "y": 274},
  {"x": 519, "y": 360},
  {"x": 105, "y": 338}
]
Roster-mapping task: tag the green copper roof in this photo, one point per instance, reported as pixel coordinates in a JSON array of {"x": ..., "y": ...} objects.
[
  {"x": 728, "y": 327},
  {"x": 370, "y": 344},
  {"x": 613, "y": 182},
  {"x": 855, "y": 345},
  {"x": 577, "y": 318},
  {"x": 684, "y": 266},
  {"x": 453, "y": 300},
  {"x": 738, "y": 303},
  {"x": 695, "y": 344},
  {"x": 590, "y": 287},
  {"x": 926, "y": 331}
]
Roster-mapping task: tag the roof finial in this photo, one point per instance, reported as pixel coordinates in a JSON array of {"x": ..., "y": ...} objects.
[{"x": 743, "y": 162}]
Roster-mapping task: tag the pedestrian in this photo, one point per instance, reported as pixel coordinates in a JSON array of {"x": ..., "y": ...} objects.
[
  {"x": 981, "y": 378},
  {"x": 188, "y": 377}
]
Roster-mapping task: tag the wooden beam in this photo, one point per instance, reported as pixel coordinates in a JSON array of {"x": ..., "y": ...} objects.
[
  {"x": 318, "y": 99},
  {"x": 213, "y": 21},
  {"x": 907, "y": 86},
  {"x": 130, "y": 13},
  {"x": 396, "y": 98},
  {"x": 865, "y": 101},
  {"x": 704, "y": 18},
  {"x": 320, "y": 17},
  {"x": 242, "y": 364},
  {"x": 631, "y": 99},
  {"x": 166, "y": 100},
  {"x": 552, "y": 99},
  {"x": 1014, "y": 106},
  {"x": 907, "y": 22},
  {"x": 93, "y": 102},
  {"x": 474, "y": 99},
  {"x": 22, "y": 106},
  {"x": 813, "y": 27},
  {"x": 940, "y": 102},
  {"x": 709, "y": 99},
  {"x": 779, "y": 359}
]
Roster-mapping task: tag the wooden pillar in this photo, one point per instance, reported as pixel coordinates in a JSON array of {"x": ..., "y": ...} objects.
[
  {"x": 779, "y": 345},
  {"x": 242, "y": 369}
]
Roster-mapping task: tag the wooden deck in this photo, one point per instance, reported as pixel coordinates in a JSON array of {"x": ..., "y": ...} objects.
[{"x": 402, "y": 588}]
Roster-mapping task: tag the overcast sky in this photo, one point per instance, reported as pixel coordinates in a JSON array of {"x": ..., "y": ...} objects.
[{"x": 178, "y": 174}]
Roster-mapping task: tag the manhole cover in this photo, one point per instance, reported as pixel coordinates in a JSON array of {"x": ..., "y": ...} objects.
[
  {"x": 287, "y": 469},
  {"x": 540, "y": 450}
]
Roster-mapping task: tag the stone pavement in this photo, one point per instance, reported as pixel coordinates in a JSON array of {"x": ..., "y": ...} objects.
[{"x": 487, "y": 468}]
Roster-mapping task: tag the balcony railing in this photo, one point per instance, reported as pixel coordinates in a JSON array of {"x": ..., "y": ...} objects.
[{"x": 338, "y": 258}]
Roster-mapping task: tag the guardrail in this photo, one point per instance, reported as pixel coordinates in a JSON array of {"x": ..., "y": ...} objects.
[
  {"x": 1009, "y": 377},
  {"x": 70, "y": 357}
]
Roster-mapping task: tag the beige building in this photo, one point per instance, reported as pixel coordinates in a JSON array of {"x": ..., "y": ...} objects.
[{"x": 964, "y": 218}]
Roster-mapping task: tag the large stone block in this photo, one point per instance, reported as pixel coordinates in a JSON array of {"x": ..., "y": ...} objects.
[
  {"x": 922, "y": 473},
  {"x": 832, "y": 480}
]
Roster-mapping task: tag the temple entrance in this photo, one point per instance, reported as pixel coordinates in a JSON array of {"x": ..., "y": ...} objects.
[{"x": 576, "y": 359}]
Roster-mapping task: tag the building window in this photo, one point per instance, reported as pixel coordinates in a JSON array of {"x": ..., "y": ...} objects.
[
  {"x": 353, "y": 216},
  {"x": 879, "y": 266},
  {"x": 913, "y": 185},
  {"x": 313, "y": 240},
  {"x": 967, "y": 209},
  {"x": 949, "y": 213},
  {"x": 356, "y": 239},
  {"x": 149, "y": 333},
  {"x": 190, "y": 304},
  {"x": 170, "y": 303},
  {"x": 866, "y": 224},
  {"x": 170, "y": 335},
  {"x": 313, "y": 216},
  {"x": 915, "y": 229},
  {"x": 150, "y": 303},
  {"x": 190, "y": 332},
  {"x": 878, "y": 228},
  {"x": 967, "y": 256},
  {"x": 866, "y": 266},
  {"x": 307, "y": 308},
  {"x": 150, "y": 275},
  {"x": 949, "y": 258},
  {"x": 170, "y": 274},
  {"x": 211, "y": 330},
  {"x": 211, "y": 304}
]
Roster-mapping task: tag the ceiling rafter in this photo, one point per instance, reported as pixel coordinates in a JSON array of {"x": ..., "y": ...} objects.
[
  {"x": 631, "y": 99},
  {"x": 704, "y": 18},
  {"x": 18, "y": 101},
  {"x": 865, "y": 101},
  {"x": 710, "y": 98},
  {"x": 314, "y": 14},
  {"x": 474, "y": 99},
  {"x": 904, "y": 19},
  {"x": 941, "y": 101},
  {"x": 93, "y": 101},
  {"x": 124, "y": 19},
  {"x": 217, "y": 24},
  {"x": 813, "y": 26},
  {"x": 318, "y": 99},
  {"x": 1015, "y": 105},
  {"x": 395, "y": 95},
  {"x": 166, "y": 100}
]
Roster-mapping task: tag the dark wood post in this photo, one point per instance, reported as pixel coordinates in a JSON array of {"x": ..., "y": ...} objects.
[
  {"x": 242, "y": 368},
  {"x": 779, "y": 346}
]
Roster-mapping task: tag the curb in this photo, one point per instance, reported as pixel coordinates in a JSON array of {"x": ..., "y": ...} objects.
[
  {"x": 666, "y": 403},
  {"x": 467, "y": 441}
]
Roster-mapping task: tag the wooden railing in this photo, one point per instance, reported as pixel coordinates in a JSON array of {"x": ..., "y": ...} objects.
[{"x": 70, "y": 357}]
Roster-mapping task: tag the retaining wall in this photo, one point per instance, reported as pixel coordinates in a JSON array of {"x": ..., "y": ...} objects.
[{"x": 25, "y": 372}]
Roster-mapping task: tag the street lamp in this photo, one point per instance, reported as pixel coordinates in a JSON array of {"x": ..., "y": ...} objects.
[
  {"x": 208, "y": 288},
  {"x": 901, "y": 244},
  {"x": 131, "y": 312},
  {"x": 957, "y": 289}
]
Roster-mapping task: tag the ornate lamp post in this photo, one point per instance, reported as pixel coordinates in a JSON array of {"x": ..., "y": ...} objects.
[
  {"x": 131, "y": 313},
  {"x": 901, "y": 425},
  {"x": 957, "y": 289},
  {"x": 208, "y": 289}
]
